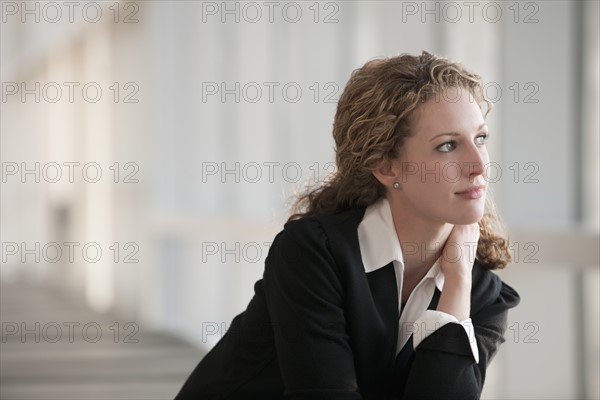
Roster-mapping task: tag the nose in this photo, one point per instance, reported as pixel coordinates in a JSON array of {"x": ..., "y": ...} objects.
[{"x": 475, "y": 162}]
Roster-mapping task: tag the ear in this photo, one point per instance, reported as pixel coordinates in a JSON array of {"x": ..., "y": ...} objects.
[{"x": 386, "y": 173}]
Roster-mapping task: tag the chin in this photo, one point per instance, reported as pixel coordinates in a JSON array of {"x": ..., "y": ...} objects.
[{"x": 467, "y": 217}]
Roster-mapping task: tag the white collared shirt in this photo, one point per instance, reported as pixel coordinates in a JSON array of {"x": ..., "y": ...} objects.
[{"x": 379, "y": 245}]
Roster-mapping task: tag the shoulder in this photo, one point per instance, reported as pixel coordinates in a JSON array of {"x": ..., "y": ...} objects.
[
  {"x": 301, "y": 235},
  {"x": 302, "y": 261},
  {"x": 317, "y": 242},
  {"x": 323, "y": 229}
]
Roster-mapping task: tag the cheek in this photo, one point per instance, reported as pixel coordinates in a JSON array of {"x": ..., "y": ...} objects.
[
  {"x": 450, "y": 173},
  {"x": 433, "y": 183}
]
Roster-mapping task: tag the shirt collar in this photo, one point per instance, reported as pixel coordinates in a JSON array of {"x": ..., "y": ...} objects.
[{"x": 379, "y": 244}]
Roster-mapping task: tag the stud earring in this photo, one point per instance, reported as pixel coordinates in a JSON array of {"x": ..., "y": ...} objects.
[{"x": 396, "y": 185}]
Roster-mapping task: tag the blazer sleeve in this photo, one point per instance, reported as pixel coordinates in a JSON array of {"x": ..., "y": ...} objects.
[
  {"x": 443, "y": 365},
  {"x": 305, "y": 302}
]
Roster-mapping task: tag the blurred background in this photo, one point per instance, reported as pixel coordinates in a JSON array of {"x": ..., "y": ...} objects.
[{"x": 150, "y": 151}]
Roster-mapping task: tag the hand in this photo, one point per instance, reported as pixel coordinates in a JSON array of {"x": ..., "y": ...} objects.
[{"x": 459, "y": 251}]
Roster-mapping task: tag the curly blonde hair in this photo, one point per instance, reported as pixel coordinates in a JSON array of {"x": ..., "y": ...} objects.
[{"x": 372, "y": 121}]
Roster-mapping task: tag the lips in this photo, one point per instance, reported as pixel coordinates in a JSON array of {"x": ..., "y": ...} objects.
[{"x": 472, "y": 193}]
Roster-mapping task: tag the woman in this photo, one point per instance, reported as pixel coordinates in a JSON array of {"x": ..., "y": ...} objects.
[{"x": 379, "y": 286}]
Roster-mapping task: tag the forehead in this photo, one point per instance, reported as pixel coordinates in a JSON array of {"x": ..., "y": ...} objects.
[{"x": 453, "y": 110}]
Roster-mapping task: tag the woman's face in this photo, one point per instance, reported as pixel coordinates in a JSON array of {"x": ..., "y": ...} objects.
[{"x": 442, "y": 166}]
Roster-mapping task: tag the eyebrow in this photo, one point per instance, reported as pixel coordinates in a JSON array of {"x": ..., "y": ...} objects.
[{"x": 454, "y": 133}]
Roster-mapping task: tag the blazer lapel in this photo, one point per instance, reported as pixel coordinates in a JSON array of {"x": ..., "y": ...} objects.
[{"x": 407, "y": 353}]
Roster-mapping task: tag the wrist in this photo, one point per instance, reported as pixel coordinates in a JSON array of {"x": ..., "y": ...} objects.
[
  {"x": 458, "y": 277},
  {"x": 455, "y": 297}
]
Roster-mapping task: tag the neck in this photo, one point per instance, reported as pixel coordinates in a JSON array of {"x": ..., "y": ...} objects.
[{"x": 421, "y": 239}]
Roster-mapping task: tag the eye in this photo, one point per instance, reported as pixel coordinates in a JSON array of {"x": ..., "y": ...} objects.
[
  {"x": 481, "y": 139},
  {"x": 447, "y": 146}
]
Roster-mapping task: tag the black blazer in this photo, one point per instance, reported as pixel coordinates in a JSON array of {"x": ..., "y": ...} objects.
[{"x": 319, "y": 327}]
